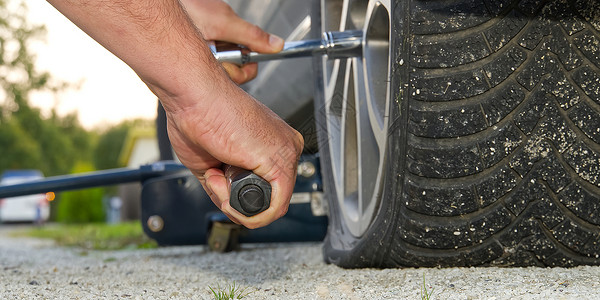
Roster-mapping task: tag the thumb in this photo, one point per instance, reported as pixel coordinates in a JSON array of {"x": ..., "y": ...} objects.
[
  {"x": 253, "y": 37},
  {"x": 216, "y": 186}
]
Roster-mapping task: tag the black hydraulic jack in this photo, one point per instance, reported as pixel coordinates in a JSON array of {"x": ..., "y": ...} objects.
[{"x": 175, "y": 209}]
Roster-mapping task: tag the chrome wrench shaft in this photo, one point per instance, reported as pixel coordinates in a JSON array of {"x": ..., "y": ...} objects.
[{"x": 334, "y": 44}]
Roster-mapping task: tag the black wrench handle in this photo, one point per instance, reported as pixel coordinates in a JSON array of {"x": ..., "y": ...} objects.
[{"x": 250, "y": 194}]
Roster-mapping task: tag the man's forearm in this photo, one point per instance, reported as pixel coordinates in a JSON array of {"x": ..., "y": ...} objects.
[
  {"x": 211, "y": 121},
  {"x": 155, "y": 38}
]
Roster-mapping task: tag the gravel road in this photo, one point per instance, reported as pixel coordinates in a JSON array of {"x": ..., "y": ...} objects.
[{"x": 37, "y": 269}]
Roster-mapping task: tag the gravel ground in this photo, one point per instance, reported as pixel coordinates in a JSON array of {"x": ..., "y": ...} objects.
[{"x": 37, "y": 269}]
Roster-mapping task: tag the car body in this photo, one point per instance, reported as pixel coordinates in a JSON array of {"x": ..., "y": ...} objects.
[
  {"x": 285, "y": 86},
  {"x": 30, "y": 208}
]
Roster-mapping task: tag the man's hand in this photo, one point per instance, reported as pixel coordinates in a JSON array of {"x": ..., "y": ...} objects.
[
  {"x": 211, "y": 121},
  {"x": 218, "y": 22},
  {"x": 246, "y": 145},
  {"x": 239, "y": 131}
]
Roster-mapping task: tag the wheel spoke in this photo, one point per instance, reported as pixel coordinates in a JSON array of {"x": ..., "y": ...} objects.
[
  {"x": 334, "y": 110},
  {"x": 357, "y": 105},
  {"x": 376, "y": 71},
  {"x": 368, "y": 146},
  {"x": 350, "y": 146},
  {"x": 377, "y": 112}
]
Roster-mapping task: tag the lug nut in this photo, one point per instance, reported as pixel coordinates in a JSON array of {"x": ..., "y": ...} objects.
[
  {"x": 306, "y": 169},
  {"x": 155, "y": 223}
]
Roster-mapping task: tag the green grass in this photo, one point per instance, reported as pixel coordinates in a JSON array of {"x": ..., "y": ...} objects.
[
  {"x": 230, "y": 292},
  {"x": 95, "y": 236},
  {"x": 425, "y": 294}
]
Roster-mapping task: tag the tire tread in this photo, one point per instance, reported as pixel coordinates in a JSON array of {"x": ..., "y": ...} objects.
[{"x": 503, "y": 147}]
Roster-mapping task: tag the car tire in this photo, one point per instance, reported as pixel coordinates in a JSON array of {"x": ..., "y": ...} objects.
[{"x": 490, "y": 149}]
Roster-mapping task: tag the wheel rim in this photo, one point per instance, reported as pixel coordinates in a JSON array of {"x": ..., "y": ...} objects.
[{"x": 357, "y": 105}]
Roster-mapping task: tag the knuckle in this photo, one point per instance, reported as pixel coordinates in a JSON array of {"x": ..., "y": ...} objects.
[
  {"x": 257, "y": 32},
  {"x": 223, "y": 207},
  {"x": 234, "y": 72},
  {"x": 283, "y": 211},
  {"x": 213, "y": 32},
  {"x": 239, "y": 79},
  {"x": 250, "y": 71},
  {"x": 248, "y": 77},
  {"x": 251, "y": 76},
  {"x": 251, "y": 225},
  {"x": 300, "y": 141},
  {"x": 227, "y": 10}
]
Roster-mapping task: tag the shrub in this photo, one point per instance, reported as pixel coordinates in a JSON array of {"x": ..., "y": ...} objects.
[{"x": 81, "y": 206}]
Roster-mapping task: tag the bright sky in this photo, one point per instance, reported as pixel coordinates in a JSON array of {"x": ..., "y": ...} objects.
[{"x": 109, "y": 92}]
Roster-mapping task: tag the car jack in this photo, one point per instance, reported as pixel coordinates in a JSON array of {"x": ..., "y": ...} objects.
[{"x": 177, "y": 211}]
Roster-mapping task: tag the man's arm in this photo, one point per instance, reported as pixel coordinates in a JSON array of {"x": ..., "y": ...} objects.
[
  {"x": 154, "y": 37},
  {"x": 211, "y": 121}
]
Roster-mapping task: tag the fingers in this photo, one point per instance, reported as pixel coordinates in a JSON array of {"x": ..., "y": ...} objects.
[
  {"x": 252, "y": 36},
  {"x": 238, "y": 130},
  {"x": 217, "y": 21},
  {"x": 282, "y": 178},
  {"x": 282, "y": 190},
  {"x": 241, "y": 74},
  {"x": 217, "y": 187},
  {"x": 255, "y": 39}
]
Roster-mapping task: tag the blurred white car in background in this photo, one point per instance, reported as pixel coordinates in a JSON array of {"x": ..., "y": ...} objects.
[{"x": 31, "y": 208}]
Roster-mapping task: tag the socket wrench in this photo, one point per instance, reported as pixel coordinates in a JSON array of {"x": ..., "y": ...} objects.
[{"x": 334, "y": 44}]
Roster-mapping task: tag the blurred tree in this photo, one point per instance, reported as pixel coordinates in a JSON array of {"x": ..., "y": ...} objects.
[
  {"x": 18, "y": 75},
  {"x": 28, "y": 140},
  {"x": 83, "y": 140},
  {"x": 53, "y": 144},
  {"x": 110, "y": 143},
  {"x": 18, "y": 150}
]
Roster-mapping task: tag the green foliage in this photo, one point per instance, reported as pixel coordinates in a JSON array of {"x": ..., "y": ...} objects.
[
  {"x": 96, "y": 236},
  {"x": 19, "y": 75},
  {"x": 52, "y": 144},
  {"x": 57, "y": 146},
  {"x": 19, "y": 150},
  {"x": 110, "y": 143},
  {"x": 81, "y": 206},
  {"x": 83, "y": 141}
]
